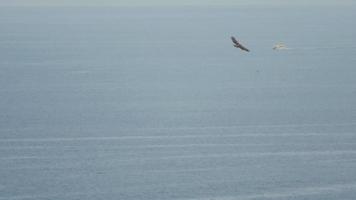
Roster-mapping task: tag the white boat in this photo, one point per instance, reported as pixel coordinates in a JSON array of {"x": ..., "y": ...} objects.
[{"x": 279, "y": 46}]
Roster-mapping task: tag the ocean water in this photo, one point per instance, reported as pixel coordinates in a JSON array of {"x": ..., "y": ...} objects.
[{"x": 156, "y": 103}]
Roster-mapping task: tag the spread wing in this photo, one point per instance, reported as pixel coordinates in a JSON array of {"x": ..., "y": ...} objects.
[
  {"x": 234, "y": 40},
  {"x": 244, "y": 48}
]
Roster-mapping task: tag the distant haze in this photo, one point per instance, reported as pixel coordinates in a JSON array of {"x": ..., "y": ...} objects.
[{"x": 167, "y": 2}]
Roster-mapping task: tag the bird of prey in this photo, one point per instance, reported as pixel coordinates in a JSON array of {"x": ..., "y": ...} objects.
[{"x": 238, "y": 45}]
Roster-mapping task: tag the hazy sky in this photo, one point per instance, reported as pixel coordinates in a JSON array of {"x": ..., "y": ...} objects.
[{"x": 169, "y": 2}]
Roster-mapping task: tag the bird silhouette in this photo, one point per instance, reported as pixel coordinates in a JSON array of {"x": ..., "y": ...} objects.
[{"x": 238, "y": 45}]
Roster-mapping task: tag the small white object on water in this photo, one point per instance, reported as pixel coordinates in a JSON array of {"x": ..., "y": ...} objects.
[{"x": 279, "y": 46}]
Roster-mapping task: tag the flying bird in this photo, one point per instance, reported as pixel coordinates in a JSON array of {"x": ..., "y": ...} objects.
[{"x": 238, "y": 45}]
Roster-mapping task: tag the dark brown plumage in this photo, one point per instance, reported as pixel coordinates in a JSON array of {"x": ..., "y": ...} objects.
[{"x": 238, "y": 45}]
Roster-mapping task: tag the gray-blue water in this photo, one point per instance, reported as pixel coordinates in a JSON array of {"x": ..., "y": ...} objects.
[{"x": 156, "y": 103}]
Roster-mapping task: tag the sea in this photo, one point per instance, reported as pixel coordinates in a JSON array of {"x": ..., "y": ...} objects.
[{"x": 155, "y": 103}]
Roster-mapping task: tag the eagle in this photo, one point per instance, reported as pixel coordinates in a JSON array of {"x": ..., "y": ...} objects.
[{"x": 238, "y": 45}]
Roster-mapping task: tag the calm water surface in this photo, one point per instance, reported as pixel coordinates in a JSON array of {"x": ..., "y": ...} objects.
[{"x": 156, "y": 104}]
